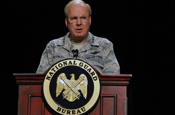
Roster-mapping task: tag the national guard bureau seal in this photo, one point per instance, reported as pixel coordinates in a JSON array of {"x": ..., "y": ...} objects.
[{"x": 71, "y": 87}]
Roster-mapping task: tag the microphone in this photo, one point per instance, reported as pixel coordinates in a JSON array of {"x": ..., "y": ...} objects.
[{"x": 75, "y": 53}]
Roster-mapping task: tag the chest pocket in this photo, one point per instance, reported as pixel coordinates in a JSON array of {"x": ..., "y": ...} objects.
[
  {"x": 94, "y": 52},
  {"x": 95, "y": 57},
  {"x": 60, "y": 54}
]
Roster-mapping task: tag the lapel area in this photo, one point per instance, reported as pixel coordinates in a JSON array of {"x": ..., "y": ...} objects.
[
  {"x": 65, "y": 43},
  {"x": 89, "y": 43}
]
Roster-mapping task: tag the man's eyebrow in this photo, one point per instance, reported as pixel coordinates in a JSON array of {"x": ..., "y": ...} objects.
[{"x": 79, "y": 16}]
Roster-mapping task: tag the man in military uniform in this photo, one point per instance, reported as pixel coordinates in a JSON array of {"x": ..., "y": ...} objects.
[{"x": 95, "y": 50}]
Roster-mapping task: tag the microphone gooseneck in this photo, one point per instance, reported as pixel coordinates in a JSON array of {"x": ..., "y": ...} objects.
[{"x": 75, "y": 53}]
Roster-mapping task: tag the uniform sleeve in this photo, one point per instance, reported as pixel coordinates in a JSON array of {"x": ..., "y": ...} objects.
[
  {"x": 46, "y": 59},
  {"x": 111, "y": 65}
]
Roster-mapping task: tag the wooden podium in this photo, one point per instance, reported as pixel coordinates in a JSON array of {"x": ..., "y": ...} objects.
[{"x": 113, "y": 98}]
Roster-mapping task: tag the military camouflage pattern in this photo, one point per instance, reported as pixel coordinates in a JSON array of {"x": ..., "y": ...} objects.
[{"x": 96, "y": 51}]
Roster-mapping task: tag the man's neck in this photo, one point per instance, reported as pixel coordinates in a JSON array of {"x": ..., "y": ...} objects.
[{"x": 78, "y": 40}]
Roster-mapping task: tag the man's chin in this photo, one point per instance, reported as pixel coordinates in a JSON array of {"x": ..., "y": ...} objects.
[{"x": 81, "y": 36}]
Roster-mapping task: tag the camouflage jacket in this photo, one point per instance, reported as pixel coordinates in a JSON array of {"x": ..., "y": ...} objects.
[{"x": 96, "y": 51}]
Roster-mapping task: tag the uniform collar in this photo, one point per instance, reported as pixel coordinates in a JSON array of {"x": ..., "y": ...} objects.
[{"x": 91, "y": 41}]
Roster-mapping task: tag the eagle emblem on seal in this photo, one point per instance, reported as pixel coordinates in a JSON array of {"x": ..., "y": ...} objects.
[{"x": 71, "y": 87}]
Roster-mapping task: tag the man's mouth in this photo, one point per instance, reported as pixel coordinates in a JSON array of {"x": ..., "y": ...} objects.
[{"x": 78, "y": 30}]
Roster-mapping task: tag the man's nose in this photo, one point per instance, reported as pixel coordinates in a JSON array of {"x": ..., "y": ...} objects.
[{"x": 78, "y": 21}]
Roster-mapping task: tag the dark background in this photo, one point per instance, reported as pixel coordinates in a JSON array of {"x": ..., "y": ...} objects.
[{"x": 142, "y": 32}]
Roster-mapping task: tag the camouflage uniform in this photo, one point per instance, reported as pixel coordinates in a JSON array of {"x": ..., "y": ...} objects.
[{"x": 96, "y": 51}]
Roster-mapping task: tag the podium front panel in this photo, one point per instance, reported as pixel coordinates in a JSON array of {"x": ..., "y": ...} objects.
[{"x": 113, "y": 98}]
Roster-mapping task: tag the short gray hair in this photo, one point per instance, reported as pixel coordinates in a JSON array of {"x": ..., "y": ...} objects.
[{"x": 77, "y": 2}]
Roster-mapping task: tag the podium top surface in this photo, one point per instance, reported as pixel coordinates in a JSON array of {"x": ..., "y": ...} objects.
[{"x": 37, "y": 79}]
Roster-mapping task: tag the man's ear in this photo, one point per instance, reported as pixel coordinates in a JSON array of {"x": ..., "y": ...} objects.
[
  {"x": 66, "y": 21},
  {"x": 90, "y": 20}
]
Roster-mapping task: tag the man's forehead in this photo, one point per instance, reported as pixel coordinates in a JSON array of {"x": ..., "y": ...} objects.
[{"x": 78, "y": 9}]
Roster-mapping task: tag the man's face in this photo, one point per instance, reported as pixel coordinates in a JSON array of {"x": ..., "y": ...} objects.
[{"x": 78, "y": 22}]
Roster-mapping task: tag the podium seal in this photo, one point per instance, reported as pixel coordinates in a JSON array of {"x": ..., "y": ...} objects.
[{"x": 71, "y": 87}]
